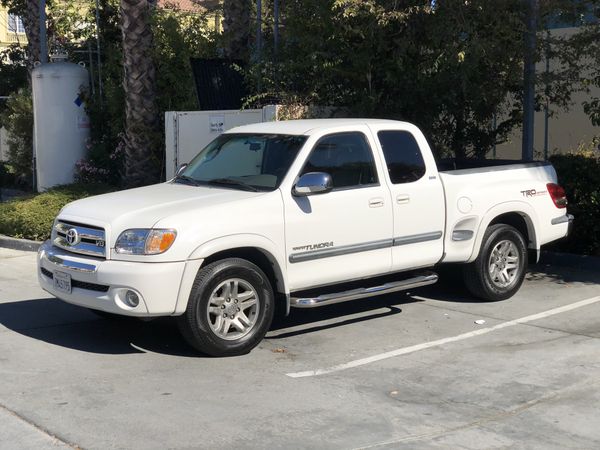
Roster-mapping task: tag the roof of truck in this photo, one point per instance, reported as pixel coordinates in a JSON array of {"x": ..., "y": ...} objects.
[{"x": 304, "y": 127}]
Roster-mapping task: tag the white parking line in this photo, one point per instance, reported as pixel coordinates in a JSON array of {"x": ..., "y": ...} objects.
[{"x": 437, "y": 343}]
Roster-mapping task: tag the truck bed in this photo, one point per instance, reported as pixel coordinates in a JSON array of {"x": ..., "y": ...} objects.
[{"x": 472, "y": 165}]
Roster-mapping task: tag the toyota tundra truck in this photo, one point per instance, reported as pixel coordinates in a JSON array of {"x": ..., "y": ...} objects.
[{"x": 300, "y": 214}]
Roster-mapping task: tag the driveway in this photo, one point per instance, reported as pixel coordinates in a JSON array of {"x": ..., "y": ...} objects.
[{"x": 430, "y": 368}]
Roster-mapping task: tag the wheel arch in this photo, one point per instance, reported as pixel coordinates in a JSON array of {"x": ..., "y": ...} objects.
[
  {"x": 516, "y": 214},
  {"x": 254, "y": 248}
]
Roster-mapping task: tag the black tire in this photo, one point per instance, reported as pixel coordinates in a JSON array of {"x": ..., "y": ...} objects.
[
  {"x": 477, "y": 276},
  {"x": 196, "y": 325}
]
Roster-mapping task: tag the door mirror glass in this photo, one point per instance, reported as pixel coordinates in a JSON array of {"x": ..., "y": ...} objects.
[{"x": 313, "y": 183}]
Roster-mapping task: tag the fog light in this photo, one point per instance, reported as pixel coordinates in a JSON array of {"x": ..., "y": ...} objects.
[{"x": 132, "y": 299}]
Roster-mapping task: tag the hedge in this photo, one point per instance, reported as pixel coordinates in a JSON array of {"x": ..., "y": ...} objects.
[
  {"x": 32, "y": 217},
  {"x": 579, "y": 174}
]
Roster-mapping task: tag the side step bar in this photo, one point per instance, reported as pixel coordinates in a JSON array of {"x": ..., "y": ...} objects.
[{"x": 355, "y": 294}]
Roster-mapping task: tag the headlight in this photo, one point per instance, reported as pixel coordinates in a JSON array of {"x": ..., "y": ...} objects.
[{"x": 143, "y": 241}]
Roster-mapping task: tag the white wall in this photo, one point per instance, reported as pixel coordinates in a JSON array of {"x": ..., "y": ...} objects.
[{"x": 566, "y": 129}]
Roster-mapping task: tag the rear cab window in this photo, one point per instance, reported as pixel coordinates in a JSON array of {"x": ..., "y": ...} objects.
[{"x": 403, "y": 156}]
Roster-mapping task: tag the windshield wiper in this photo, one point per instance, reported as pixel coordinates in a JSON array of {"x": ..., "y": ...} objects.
[
  {"x": 231, "y": 182},
  {"x": 187, "y": 180}
]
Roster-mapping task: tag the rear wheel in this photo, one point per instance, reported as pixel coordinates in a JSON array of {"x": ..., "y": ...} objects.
[
  {"x": 499, "y": 270},
  {"x": 230, "y": 308}
]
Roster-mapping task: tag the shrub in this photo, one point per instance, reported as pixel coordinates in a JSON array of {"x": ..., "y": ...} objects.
[
  {"x": 18, "y": 121},
  {"x": 7, "y": 177},
  {"x": 32, "y": 217},
  {"x": 579, "y": 174},
  {"x": 103, "y": 164}
]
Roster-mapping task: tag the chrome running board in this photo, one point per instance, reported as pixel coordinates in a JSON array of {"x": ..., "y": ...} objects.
[{"x": 355, "y": 294}]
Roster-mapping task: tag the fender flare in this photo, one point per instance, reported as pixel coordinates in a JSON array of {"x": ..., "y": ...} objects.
[
  {"x": 524, "y": 209},
  {"x": 231, "y": 242},
  {"x": 257, "y": 241}
]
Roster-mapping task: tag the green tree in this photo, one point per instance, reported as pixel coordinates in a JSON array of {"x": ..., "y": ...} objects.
[
  {"x": 177, "y": 36},
  {"x": 17, "y": 117},
  {"x": 454, "y": 68}
]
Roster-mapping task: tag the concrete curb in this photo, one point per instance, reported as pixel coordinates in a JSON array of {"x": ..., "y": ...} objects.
[
  {"x": 19, "y": 244},
  {"x": 584, "y": 262}
]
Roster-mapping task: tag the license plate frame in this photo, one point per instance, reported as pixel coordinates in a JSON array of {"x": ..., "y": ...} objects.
[{"x": 62, "y": 282}]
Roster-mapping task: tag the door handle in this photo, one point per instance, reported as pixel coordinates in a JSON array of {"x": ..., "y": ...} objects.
[
  {"x": 376, "y": 202},
  {"x": 402, "y": 199}
]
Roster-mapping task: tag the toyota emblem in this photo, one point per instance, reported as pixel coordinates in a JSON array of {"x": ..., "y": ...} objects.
[{"x": 72, "y": 236}]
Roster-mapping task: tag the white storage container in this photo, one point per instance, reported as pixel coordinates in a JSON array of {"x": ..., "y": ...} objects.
[{"x": 61, "y": 125}]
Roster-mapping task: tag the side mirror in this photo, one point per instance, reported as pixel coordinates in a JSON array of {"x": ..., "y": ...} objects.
[
  {"x": 313, "y": 183},
  {"x": 180, "y": 169}
]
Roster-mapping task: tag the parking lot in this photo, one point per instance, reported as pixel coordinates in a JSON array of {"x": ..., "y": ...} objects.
[{"x": 425, "y": 369}]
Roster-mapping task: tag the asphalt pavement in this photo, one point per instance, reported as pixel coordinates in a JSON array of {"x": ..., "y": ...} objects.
[{"x": 429, "y": 369}]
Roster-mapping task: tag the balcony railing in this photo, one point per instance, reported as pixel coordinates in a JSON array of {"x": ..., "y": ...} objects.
[{"x": 15, "y": 38}]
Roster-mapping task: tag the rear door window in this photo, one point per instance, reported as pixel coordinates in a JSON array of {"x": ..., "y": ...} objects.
[{"x": 402, "y": 155}]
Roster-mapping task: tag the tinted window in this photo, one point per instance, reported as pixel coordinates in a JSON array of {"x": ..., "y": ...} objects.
[
  {"x": 347, "y": 157},
  {"x": 402, "y": 156}
]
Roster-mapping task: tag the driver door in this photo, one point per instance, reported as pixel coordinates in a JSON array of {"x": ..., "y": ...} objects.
[{"x": 346, "y": 233}]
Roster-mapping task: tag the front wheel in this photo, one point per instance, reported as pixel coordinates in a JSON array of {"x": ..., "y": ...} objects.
[
  {"x": 499, "y": 270},
  {"x": 230, "y": 308}
]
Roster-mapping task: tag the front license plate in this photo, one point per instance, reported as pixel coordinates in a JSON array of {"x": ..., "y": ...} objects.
[{"x": 62, "y": 282}]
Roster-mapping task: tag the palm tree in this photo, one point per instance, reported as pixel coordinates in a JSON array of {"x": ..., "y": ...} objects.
[
  {"x": 236, "y": 28},
  {"x": 141, "y": 136}
]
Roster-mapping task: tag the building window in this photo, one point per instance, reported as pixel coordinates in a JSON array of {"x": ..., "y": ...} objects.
[{"x": 15, "y": 24}]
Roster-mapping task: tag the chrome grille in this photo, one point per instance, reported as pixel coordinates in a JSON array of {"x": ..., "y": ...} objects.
[{"x": 78, "y": 238}]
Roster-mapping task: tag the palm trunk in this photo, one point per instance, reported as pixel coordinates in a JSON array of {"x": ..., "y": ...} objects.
[
  {"x": 31, "y": 22},
  {"x": 139, "y": 84},
  {"x": 236, "y": 28}
]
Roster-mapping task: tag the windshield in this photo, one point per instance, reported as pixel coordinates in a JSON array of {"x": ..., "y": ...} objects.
[{"x": 256, "y": 162}]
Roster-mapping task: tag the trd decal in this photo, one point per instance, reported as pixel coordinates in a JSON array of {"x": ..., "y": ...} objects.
[
  {"x": 319, "y": 246},
  {"x": 533, "y": 193}
]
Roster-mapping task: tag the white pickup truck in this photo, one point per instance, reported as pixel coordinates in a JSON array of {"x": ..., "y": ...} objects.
[{"x": 300, "y": 214}]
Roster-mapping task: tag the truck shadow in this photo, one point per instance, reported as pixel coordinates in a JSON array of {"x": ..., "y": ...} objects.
[
  {"x": 303, "y": 321},
  {"x": 450, "y": 287},
  {"x": 55, "y": 322},
  {"x": 58, "y": 323}
]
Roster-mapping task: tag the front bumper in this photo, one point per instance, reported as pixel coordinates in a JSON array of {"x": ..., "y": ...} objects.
[{"x": 102, "y": 284}]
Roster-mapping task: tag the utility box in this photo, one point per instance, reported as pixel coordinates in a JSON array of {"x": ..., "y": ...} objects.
[{"x": 188, "y": 132}]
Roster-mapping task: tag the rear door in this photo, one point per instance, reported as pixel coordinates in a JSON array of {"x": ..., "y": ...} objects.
[
  {"x": 346, "y": 233},
  {"x": 417, "y": 194}
]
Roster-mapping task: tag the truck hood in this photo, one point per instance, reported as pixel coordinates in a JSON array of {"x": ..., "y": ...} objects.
[{"x": 143, "y": 207}]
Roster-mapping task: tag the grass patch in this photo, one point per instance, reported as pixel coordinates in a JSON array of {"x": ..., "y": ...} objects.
[{"x": 32, "y": 217}]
